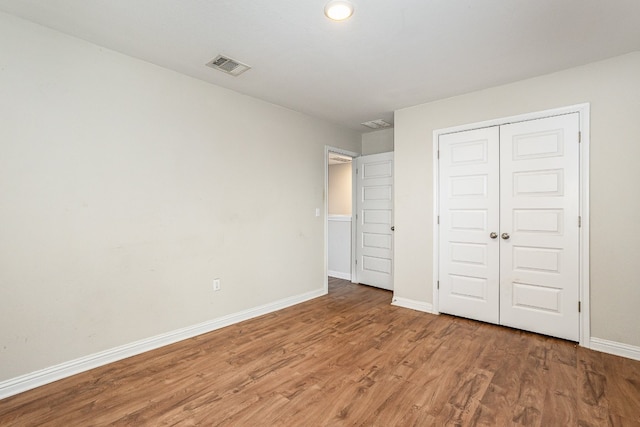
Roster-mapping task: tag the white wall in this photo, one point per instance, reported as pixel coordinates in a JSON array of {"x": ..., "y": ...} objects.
[
  {"x": 126, "y": 188},
  {"x": 339, "y": 246},
  {"x": 613, "y": 89},
  {"x": 340, "y": 189},
  {"x": 380, "y": 141}
]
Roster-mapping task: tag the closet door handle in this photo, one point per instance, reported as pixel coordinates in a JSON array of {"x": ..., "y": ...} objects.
[
  {"x": 493, "y": 235},
  {"x": 505, "y": 236}
]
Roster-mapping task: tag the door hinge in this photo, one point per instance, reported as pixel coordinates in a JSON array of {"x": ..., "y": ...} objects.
[
  {"x": 356, "y": 171},
  {"x": 356, "y": 216},
  {"x": 438, "y": 154},
  {"x": 579, "y": 306},
  {"x": 438, "y": 284},
  {"x": 356, "y": 262},
  {"x": 579, "y": 221},
  {"x": 438, "y": 219},
  {"x": 579, "y": 137}
]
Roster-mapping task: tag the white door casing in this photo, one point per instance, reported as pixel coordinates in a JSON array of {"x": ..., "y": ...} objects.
[
  {"x": 539, "y": 262},
  {"x": 469, "y": 213},
  {"x": 537, "y": 276},
  {"x": 374, "y": 220}
]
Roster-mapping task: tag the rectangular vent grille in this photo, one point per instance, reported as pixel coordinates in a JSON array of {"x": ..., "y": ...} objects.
[
  {"x": 376, "y": 124},
  {"x": 340, "y": 159},
  {"x": 228, "y": 65}
]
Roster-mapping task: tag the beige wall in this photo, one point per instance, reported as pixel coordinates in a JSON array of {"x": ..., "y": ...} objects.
[
  {"x": 126, "y": 188},
  {"x": 380, "y": 141},
  {"x": 340, "y": 189},
  {"x": 613, "y": 89}
]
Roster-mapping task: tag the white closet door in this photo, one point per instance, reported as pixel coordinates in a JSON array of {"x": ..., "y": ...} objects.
[
  {"x": 539, "y": 259},
  {"x": 469, "y": 213},
  {"x": 374, "y": 204}
]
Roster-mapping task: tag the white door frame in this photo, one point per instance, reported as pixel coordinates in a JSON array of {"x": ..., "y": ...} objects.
[
  {"x": 583, "y": 110},
  {"x": 329, "y": 149}
]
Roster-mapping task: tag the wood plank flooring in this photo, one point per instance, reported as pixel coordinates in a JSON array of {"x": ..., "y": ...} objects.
[{"x": 349, "y": 358}]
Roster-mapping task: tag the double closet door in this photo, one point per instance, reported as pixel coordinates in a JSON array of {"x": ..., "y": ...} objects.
[{"x": 509, "y": 225}]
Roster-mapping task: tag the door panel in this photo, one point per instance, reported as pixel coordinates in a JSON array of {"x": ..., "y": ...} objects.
[
  {"x": 521, "y": 181},
  {"x": 469, "y": 212},
  {"x": 374, "y": 207},
  {"x": 539, "y": 210}
]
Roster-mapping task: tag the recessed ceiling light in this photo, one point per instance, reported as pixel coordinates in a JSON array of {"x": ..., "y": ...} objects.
[{"x": 338, "y": 10}]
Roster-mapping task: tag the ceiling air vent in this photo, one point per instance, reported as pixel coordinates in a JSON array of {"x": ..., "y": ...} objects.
[
  {"x": 228, "y": 65},
  {"x": 376, "y": 124},
  {"x": 335, "y": 159}
]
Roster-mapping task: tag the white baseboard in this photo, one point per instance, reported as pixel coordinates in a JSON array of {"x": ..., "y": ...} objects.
[
  {"x": 412, "y": 304},
  {"x": 41, "y": 377},
  {"x": 615, "y": 348},
  {"x": 339, "y": 274}
]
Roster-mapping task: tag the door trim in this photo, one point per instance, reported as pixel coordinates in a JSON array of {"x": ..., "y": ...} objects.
[
  {"x": 329, "y": 149},
  {"x": 583, "y": 236}
]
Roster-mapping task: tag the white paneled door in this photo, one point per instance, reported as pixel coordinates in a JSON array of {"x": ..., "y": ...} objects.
[
  {"x": 374, "y": 220},
  {"x": 539, "y": 257},
  {"x": 509, "y": 219},
  {"x": 470, "y": 211}
]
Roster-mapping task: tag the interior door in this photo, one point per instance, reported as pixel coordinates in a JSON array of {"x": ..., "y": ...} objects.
[
  {"x": 509, "y": 225},
  {"x": 374, "y": 220},
  {"x": 469, "y": 224},
  {"x": 539, "y": 256}
]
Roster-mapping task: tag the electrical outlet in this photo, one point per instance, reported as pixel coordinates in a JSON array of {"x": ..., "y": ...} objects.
[{"x": 216, "y": 284}]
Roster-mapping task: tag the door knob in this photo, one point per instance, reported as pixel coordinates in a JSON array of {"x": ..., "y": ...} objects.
[
  {"x": 393, "y": 228},
  {"x": 505, "y": 236},
  {"x": 493, "y": 235}
]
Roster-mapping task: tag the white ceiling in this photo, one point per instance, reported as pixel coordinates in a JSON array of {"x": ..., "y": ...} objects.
[{"x": 391, "y": 54}]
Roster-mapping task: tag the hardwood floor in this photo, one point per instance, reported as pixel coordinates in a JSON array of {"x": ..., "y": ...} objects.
[{"x": 349, "y": 358}]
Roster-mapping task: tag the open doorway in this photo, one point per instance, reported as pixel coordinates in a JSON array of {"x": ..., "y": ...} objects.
[
  {"x": 339, "y": 209},
  {"x": 339, "y": 216}
]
